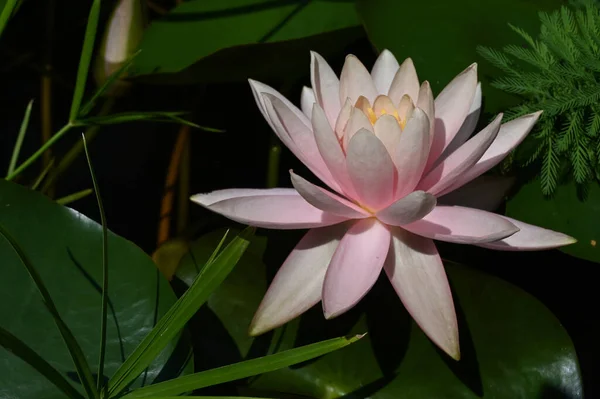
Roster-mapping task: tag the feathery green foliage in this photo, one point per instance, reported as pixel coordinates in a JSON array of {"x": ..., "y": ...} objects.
[{"x": 559, "y": 73}]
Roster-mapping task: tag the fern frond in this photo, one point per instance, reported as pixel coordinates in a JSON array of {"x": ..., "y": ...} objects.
[
  {"x": 550, "y": 168},
  {"x": 572, "y": 129},
  {"x": 593, "y": 125},
  {"x": 497, "y": 59},
  {"x": 580, "y": 159}
]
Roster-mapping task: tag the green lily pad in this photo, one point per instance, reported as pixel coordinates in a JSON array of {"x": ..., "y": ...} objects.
[
  {"x": 564, "y": 212},
  {"x": 199, "y": 28},
  {"x": 66, "y": 249},
  {"x": 512, "y": 346},
  {"x": 442, "y": 36}
]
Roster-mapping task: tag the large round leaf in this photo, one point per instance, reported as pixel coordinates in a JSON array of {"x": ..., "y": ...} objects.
[
  {"x": 198, "y": 28},
  {"x": 66, "y": 249},
  {"x": 442, "y": 36},
  {"x": 512, "y": 346},
  {"x": 564, "y": 212}
]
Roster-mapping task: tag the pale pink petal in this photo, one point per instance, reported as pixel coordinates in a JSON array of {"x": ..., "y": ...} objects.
[
  {"x": 461, "y": 160},
  {"x": 307, "y": 99},
  {"x": 269, "y": 208},
  {"x": 451, "y": 108},
  {"x": 355, "y": 266},
  {"x": 530, "y": 238},
  {"x": 427, "y": 104},
  {"x": 388, "y": 130},
  {"x": 371, "y": 170},
  {"x": 410, "y": 155},
  {"x": 326, "y": 201},
  {"x": 406, "y": 210},
  {"x": 468, "y": 126},
  {"x": 358, "y": 120},
  {"x": 298, "y": 138},
  {"x": 511, "y": 134},
  {"x": 258, "y": 91},
  {"x": 462, "y": 225},
  {"x": 326, "y": 86},
  {"x": 298, "y": 284},
  {"x": 356, "y": 81},
  {"x": 417, "y": 274},
  {"x": 342, "y": 119},
  {"x": 485, "y": 193},
  {"x": 384, "y": 70},
  {"x": 406, "y": 81},
  {"x": 331, "y": 151}
]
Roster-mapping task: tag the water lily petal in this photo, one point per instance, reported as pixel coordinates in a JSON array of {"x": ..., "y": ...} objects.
[
  {"x": 358, "y": 120},
  {"x": 371, "y": 170},
  {"x": 462, "y": 225},
  {"x": 326, "y": 201},
  {"x": 342, "y": 119},
  {"x": 485, "y": 193},
  {"x": 511, "y": 134},
  {"x": 461, "y": 160},
  {"x": 298, "y": 138},
  {"x": 355, "y": 266},
  {"x": 270, "y": 208},
  {"x": 384, "y": 70},
  {"x": 326, "y": 86},
  {"x": 451, "y": 108},
  {"x": 298, "y": 284},
  {"x": 530, "y": 238},
  {"x": 307, "y": 99},
  {"x": 356, "y": 81},
  {"x": 406, "y": 81},
  {"x": 331, "y": 151},
  {"x": 468, "y": 126},
  {"x": 410, "y": 155},
  {"x": 388, "y": 130},
  {"x": 417, "y": 274},
  {"x": 427, "y": 104},
  {"x": 258, "y": 91},
  {"x": 408, "y": 209}
]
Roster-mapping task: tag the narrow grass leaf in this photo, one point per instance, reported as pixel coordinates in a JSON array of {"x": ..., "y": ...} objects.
[
  {"x": 20, "y": 349},
  {"x": 104, "y": 311},
  {"x": 20, "y": 137},
  {"x": 81, "y": 365},
  {"x": 209, "y": 278},
  {"x": 125, "y": 117},
  {"x": 87, "y": 108},
  {"x": 6, "y": 13},
  {"x": 242, "y": 370},
  {"x": 74, "y": 197},
  {"x": 85, "y": 59},
  {"x": 42, "y": 175}
]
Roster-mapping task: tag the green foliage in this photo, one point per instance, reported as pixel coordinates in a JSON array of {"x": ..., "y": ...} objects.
[{"x": 558, "y": 72}]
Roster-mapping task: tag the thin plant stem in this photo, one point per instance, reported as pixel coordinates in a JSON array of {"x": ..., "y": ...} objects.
[{"x": 41, "y": 150}]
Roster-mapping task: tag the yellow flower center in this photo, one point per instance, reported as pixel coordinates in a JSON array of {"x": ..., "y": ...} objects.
[{"x": 383, "y": 105}]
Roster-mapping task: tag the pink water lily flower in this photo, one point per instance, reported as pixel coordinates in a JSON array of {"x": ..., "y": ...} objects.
[{"x": 390, "y": 153}]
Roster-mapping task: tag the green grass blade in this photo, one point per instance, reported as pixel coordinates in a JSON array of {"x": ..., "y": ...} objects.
[
  {"x": 217, "y": 249},
  {"x": 42, "y": 175},
  {"x": 81, "y": 365},
  {"x": 87, "y": 108},
  {"x": 29, "y": 356},
  {"x": 104, "y": 269},
  {"x": 20, "y": 137},
  {"x": 203, "y": 397},
  {"x": 74, "y": 197},
  {"x": 7, "y": 12},
  {"x": 85, "y": 60},
  {"x": 158, "y": 116},
  {"x": 209, "y": 278},
  {"x": 241, "y": 370}
]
